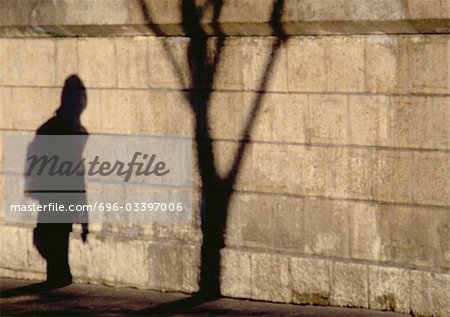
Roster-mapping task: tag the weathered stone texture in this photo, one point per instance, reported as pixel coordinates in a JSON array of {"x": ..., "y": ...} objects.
[
  {"x": 101, "y": 53},
  {"x": 306, "y": 64},
  {"x": 173, "y": 267},
  {"x": 349, "y": 286},
  {"x": 328, "y": 121},
  {"x": 270, "y": 278},
  {"x": 390, "y": 289},
  {"x": 429, "y": 293},
  {"x": 310, "y": 281},
  {"x": 236, "y": 273},
  {"x": 343, "y": 190},
  {"x": 387, "y": 68},
  {"x": 393, "y": 176},
  {"x": 27, "y": 62},
  {"x": 432, "y": 179},
  {"x": 297, "y": 17},
  {"x": 369, "y": 120}
]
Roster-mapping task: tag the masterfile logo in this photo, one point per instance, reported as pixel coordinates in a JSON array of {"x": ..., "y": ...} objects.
[
  {"x": 111, "y": 178},
  {"x": 55, "y": 166}
]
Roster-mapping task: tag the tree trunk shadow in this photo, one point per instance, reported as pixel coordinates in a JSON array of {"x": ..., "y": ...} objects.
[{"x": 216, "y": 191}]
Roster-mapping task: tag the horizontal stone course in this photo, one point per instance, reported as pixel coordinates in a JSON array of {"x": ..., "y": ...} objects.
[
  {"x": 318, "y": 281},
  {"x": 83, "y": 17},
  {"x": 405, "y": 236},
  {"x": 337, "y": 64},
  {"x": 413, "y": 122}
]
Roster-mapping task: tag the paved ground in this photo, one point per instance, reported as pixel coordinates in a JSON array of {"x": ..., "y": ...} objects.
[{"x": 18, "y": 298}]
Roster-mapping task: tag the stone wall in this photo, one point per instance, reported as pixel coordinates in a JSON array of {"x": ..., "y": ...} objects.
[{"x": 343, "y": 194}]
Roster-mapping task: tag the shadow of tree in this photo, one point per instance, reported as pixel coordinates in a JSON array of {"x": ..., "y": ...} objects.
[{"x": 216, "y": 190}]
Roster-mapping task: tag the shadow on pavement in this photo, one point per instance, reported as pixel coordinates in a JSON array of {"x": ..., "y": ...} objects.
[{"x": 36, "y": 288}]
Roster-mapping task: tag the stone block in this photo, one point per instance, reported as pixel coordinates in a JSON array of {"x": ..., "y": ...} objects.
[
  {"x": 429, "y": 8},
  {"x": 167, "y": 64},
  {"x": 87, "y": 12},
  {"x": 168, "y": 273},
  {"x": 432, "y": 226},
  {"x": 390, "y": 289},
  {"x": 256, "y": 220},
  {"x": 6, "y": 104},
  {"x": 289, "y": 113},
  {"x": 328, "y": 119},
  {"x": 429, "y": 60},
  {"x": 229, "y": 73},
  {"x": 273, "y": 169},
  {"x": 15, "y": 248},
  {"x": 349, "y": 285},
  {"x": 399, "y": 242},
  {"x": 8, "y": 73},
  {"x": 441, "y": 117},
  {"x": 66, "y": 59},
  {"x": 429, "y": 293},
  {"x": 369, "y": 120},
  {"x": 91, "y": 261},
  {"x": 130, "y": 112},
  {"x": 227, "y": 115},
  {"x": 113, "y": 109},
  {"x": 165, "y": 11},
  {"x": 235, "y": 280},
  {"x": 130, "y": 263},
  {"x": 279, "y": 117},
  {"x": 264, "y": 65},
  {"x": 33, "y": 106},
  {"x": 419, "y": 122},
  {"x": 413, "y": 235},
  {"x": 288, "y": 223},
  {"x": 180, "y": 116},
  {"x": 306, "y": 68},
  {"x": 393, "y": 176},
  {"x": 311, "y": 281},
  {"x": 101, "y": 53},
  {"x": 30, "y": 62},
  {"x": 235, "y": 8},
  {"x": 387, "y": 65},
  {"x": 149, "y": 113},
  {"x": 327, "y": 227},
  {"x": 345, "y": 64},
  {"x": 309, "y": 171},
  {"x": 270, "y": 277},
  {"x": 352, "y": 173},
  {"x": 365, "y": 239},
  {"x": 131, "y": 62},
  {"x": 349, "y": 9},
  {"x": 432, "y": 178}
]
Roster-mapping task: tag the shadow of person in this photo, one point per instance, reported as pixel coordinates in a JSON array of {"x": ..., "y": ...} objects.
[
  {"x": 27, "y": 290},
  {"x": 51, "y": 234}
]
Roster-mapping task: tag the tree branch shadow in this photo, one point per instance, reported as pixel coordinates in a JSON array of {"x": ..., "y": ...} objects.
[{"x": 216, "y": 191}]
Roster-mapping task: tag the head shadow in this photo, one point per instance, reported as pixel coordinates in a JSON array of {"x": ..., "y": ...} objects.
[{"x": 73, "y": 99}]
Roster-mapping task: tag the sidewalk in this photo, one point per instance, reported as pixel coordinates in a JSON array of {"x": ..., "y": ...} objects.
[{"x": 97, "y": 300}]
